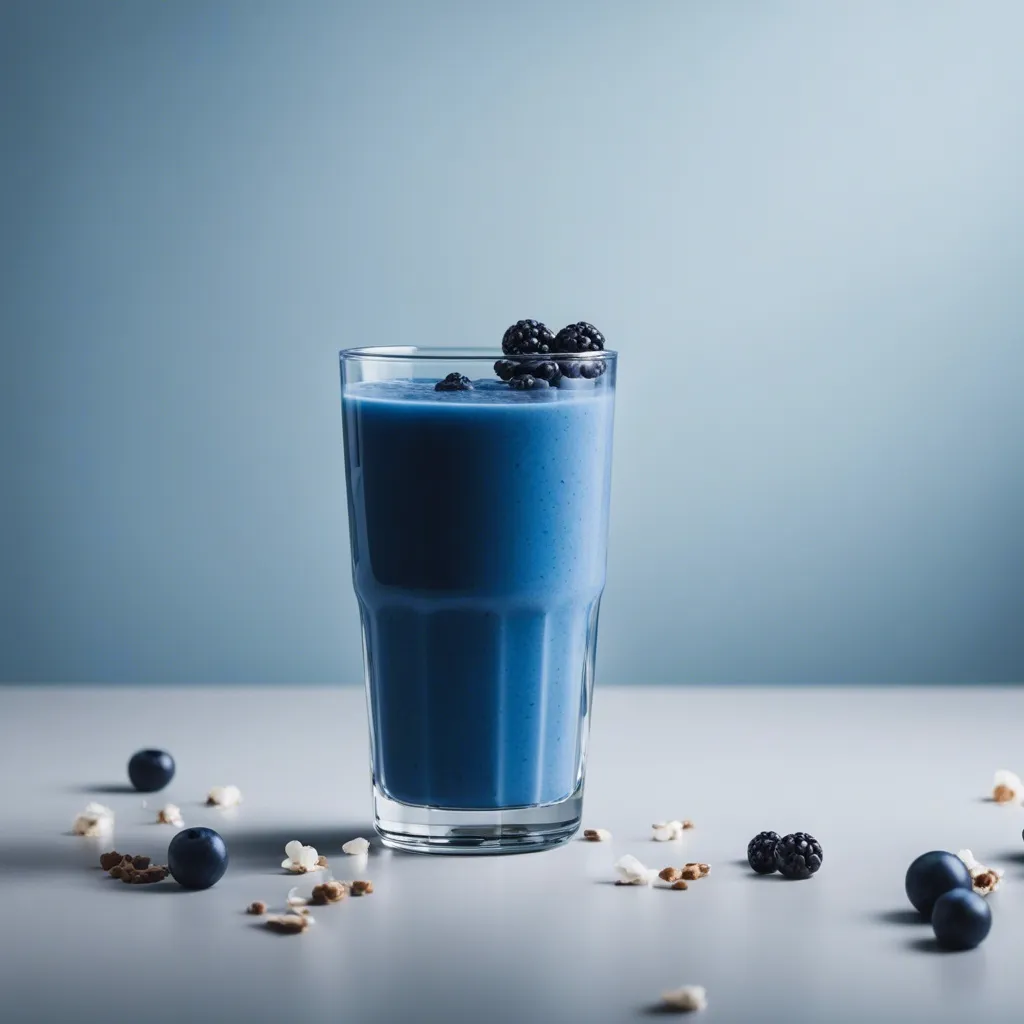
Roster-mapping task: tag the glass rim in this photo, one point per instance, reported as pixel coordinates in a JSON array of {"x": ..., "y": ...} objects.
[{"x": 420, "y": 353}]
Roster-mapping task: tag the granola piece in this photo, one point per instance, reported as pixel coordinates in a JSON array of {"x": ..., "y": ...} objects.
[
  {"x": 691, "y": 872},
  {"x": 632, "y": 872},
  {"x": 299, "y": 859},
  {"x": 257, "y": 908},
  {"x": 94, "y": 822},
  {"x": 110, "y": 860},
  {"x": 170, "y": 814},
  {"x": 984, "y": 880},
  {"x": 597, "y": 835},
  {"x": 288, "y": 924},
  {"x": 1007, "y": 787},
  {"x": 689, "y": 998},
  {"x": 670, "y": 874},
  {"x": 330, "y": 892},
  {"x": 361, "y": 888},
  {"x": 680, "y": 885},
  {"x": 224, "y": 796}
]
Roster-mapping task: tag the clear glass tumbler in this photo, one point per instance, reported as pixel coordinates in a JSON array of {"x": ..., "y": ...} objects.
[{"x": 478, "y": 521}]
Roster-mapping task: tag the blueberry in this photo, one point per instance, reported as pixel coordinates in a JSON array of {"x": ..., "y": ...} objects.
[
  {"x": 527, "y": 382},
  {"x": 932, "y": 875},
  {"x": 150, "y": 770},
  {"x": 197, "y": 858},
  {"x": 961, "y": 919},
  {"x": 454, "y": 382},
  {"x": 589, "y": 369},
  {"x": 526, "y": 337},
  {"x": 761, "y": 852},
  {"x": 545, "y": 369}
]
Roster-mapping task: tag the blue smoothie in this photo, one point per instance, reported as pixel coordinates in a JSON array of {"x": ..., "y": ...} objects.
[{"x": 478, "y": 523}]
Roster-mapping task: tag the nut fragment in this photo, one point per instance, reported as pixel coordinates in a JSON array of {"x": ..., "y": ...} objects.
[
  {"x": 288, "y": 924},
  {"x": 680, "y": 885},
  {"x": 224, "y": 796},
  {"x": 331, "y": 892},
  {"x": 597, "y": 835},
  {"x": 258, "y": 908},
  {"x": 983, "y": 880},
  {"x": 131, "y": 875},
  {"x": 356, "y": 847},
  {"x": 95, "y": 821},
  {"x": 361, "y": 887},
  {"x": 170, "y": 814},
  {"x": 669, "y": 874},
  {"x": 686, "y": 999},
  {"x": 1007, "y": 787},
  {"x": 110, "y": 860}
]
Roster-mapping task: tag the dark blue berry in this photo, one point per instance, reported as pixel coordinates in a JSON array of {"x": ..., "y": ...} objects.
[
  {"x": 961, "y": 919},
  {"x": 545, "y": 369},
  {"x": 150, "y": 770},
  {"x": 454, "y": 382},
  {"x": 197, "y": 858},
  {"x": 590, "y": 369},
  {"x": 581, "y": 337},
  {"x": 798, "y": 855},
  {"x": 932, "y": 875},
  {"x": 761, "y": 852},
  {"x": 527, "y": 382},
  {"x": 527, "y": 337},
  {"x": 506, "y": 368}
]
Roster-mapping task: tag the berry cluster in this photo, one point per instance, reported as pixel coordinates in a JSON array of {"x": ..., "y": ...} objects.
[
  {"x": 531, "y": 337},
  {"x": 797, "y": 855}
]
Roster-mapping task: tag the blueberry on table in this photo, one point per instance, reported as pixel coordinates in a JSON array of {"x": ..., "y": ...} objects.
[
  {"x": 961, "y": 919},
  {"x": 526, "y": 337},
  {"x": 197, "y": 858},
  {"x": 150, "y": 770},
  {"x": 454, "y": 382},
  {"x": 932, "y": 875},
  {"x": 761, "y": 852},
  {"x": 798, "y": 855}
]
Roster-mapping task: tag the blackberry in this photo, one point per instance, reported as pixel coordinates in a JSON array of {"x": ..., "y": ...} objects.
[
  {"x": 761, "y": 852},
  {"x": 798, "y": 855},
  {"x": 581, "y": 337},
  {"x": 506, "y": 368},
  {"x": 526, "y": 337},
  {"x": 454, "y": 382},
  {"x": 527, "y": 382}
]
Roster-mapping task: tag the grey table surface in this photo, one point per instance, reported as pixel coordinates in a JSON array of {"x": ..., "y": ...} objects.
[{"x": 877, "y": 775}]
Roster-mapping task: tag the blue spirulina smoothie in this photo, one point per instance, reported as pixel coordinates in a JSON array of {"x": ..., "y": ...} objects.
[{"x": 478, "y": 522}]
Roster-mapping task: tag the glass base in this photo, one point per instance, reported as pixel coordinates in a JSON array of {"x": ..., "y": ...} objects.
[{"x": 508, "y": 830}]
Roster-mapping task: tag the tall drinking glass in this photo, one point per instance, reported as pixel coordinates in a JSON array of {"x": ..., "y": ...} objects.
[{"x": 478, "y": 521}]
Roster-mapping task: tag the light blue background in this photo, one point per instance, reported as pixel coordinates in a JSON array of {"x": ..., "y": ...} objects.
[{"x": 801, "y": 223}]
